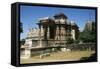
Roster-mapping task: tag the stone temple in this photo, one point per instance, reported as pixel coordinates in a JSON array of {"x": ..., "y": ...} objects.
[{"x": 53, "y": 31}]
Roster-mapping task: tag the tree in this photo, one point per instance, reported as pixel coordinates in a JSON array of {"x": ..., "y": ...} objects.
[
  {"x": 87, "y": 36},
  {"x": 21, "y": 28},
  {"x": 89, "y": 33}
]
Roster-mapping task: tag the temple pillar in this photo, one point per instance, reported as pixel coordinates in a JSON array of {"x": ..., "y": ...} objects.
[
  {"x": 48, "y": 32},
  {"x": 73, "y": 34},
  {"x": 40, "y": 40}
]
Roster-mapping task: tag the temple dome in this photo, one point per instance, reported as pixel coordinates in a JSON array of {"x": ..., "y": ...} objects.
[{"x": 60, "y": 14}]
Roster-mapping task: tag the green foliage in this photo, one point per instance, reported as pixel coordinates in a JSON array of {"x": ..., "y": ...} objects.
[
  {"x": 87, "y": 36},
  {"x": 70, "y": 41},
  {"x": 76, "y": 41},
  {"x": 21, "y": 28}
]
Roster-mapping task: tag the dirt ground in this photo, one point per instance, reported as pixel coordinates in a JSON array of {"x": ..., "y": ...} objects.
[{"x": 58, "y": 56}]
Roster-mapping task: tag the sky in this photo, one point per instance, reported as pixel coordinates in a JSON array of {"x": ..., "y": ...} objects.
[{"x": 29, "y": 16}]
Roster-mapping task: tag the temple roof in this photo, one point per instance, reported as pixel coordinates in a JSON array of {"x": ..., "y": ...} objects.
[
  {"x": 44, "y": 18},
  {"x": 60, "y": 14},
  {"x": 73, "y": 23}
]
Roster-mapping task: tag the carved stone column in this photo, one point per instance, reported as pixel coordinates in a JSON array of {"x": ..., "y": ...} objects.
[
  {"x": 40, "y": 40},
  {"x": 48, "y": 32},
  {"x": 73, "y": 34}
]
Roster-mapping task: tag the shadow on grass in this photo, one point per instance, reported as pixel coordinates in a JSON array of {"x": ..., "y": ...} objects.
[{"x": 93, "y": 57}]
